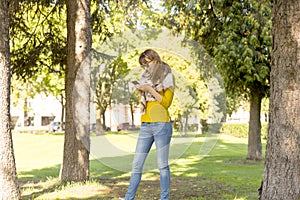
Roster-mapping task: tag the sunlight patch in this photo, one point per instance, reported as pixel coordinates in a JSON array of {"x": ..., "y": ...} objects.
[{"x": 78, "y": 191}]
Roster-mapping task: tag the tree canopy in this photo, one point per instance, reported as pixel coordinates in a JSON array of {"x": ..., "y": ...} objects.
[{"x": 237, "y": 34}]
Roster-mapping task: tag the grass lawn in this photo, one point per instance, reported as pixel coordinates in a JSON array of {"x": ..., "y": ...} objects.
[{"x": 212, "y": 167}]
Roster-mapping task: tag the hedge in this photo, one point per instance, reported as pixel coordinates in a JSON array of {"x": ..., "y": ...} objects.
[{"x": 241, "y": 130}]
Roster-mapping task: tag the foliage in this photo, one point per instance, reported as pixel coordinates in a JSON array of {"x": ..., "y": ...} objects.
[
  {"x": 243, "y": 53},
  {"x": 236, "y": 33},
  {"x": 110, "y": 17},
  {"x": 241, "y": 130},
  {"x": 38, "y": 38},
  {"x": 38, "y": 31}
]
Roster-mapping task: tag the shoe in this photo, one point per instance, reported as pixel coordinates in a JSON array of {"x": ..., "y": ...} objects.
[{"x": 121, "y": 198}]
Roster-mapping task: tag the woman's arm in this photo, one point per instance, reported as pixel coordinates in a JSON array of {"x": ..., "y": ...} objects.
[{"x": 165, "y": 100}]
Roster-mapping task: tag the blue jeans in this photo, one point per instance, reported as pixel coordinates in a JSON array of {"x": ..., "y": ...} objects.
[{"x": 160, "y": 133}]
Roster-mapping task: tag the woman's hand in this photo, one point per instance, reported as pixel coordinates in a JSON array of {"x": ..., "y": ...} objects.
[
  {"x": 143, "y": 88},
  {"x": 148, "y": 88}
]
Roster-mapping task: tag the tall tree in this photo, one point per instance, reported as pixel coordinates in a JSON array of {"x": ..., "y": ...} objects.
[
  {"x": 243, "y": 56},
  {"x": 282, "y": 169},
  {"x": 237, "y": 35},
  {"x": 9, "y": 187},
  {"x": 75, "y": 165}
]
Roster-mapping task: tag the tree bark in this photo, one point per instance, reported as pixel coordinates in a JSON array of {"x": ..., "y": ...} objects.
[
  {"x": 103, "y": 121},
  {"x": 62, "y": 117},
  {"x": 9, "y": 186},
  {"x": 131, "y": 114},
  {"x": 99, "y": 124},
  {"x": 282, "y": 169},
  {"x": 254, "y": 133},
  {"x": 75, "y": 165}
]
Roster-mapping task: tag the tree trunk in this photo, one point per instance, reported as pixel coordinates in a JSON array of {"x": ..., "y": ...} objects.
[
  {"x": 180, "y": 125},
  {"x": 186, "y": 126},
  {"x": 99, "y": 126},
  {"x": 75, "y": 165},
  {"x": 254, "y": 133},
  {"x": 25, "y": 111},
  {"x": 199, "y": 126},
  {"x": 9, "y": 187},
  {"x": 62, "y": 118},
  {"x": 282, "y": 169},
  {"x": 103, "y": 121}
]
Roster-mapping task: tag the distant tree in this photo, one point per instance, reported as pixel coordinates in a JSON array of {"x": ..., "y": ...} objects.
[
  {"x": 282, "y": 169},
  {"x": 124, "y": 93},
  {"x": 106, "y": 82},
  {"x": 243, "y": 56},
  {"x": 9, "y": 186},
  {"x": 237, "y": 34},
  {"x": 109, "y": 19},
  {"x": 75, "y": 166}
]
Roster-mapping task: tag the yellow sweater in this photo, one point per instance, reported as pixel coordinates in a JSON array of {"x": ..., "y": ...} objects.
[{"x": 158, "y": 111}]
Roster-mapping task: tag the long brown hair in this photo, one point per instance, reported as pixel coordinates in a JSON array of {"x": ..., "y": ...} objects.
[{"x": 160, "y": 70}]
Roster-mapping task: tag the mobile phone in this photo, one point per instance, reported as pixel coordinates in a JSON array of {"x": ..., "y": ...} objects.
[{"x": 135, "y": 82}]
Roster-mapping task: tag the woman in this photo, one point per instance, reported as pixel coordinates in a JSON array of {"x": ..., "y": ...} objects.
[{"x": 157, "y": 90}]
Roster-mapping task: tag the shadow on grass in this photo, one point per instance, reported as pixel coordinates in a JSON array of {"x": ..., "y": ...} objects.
[
  {"x": 223, "y": 173},
  {"x": 31, "y": 182}
]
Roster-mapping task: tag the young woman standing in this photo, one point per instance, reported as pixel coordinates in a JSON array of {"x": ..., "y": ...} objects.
[{"x": 156, "y": 89}]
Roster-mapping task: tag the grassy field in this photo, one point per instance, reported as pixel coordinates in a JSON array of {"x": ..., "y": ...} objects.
[{"x": 212, "y": 167}]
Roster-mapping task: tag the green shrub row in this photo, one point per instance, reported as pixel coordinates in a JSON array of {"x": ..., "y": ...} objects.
[{"x": 241, "y": 130}]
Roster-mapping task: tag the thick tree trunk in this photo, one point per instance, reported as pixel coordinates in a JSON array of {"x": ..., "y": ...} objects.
[
  {"x": 75, "y": 165},
  {"x": 9, "y": 187},
  {"x": 282, "y": 165},
  {"x": 254, "y": 133}
]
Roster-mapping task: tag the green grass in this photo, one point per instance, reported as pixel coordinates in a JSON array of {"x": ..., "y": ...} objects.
[{"x": 202, "y": 168}]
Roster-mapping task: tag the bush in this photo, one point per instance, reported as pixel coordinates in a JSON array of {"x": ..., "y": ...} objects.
[{"x": 241, "y": 130}]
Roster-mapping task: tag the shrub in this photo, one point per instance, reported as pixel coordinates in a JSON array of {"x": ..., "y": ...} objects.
[{"x": 241, "y": 130}]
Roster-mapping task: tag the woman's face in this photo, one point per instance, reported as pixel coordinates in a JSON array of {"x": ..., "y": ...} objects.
[{"x": 150, "y": 66}]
